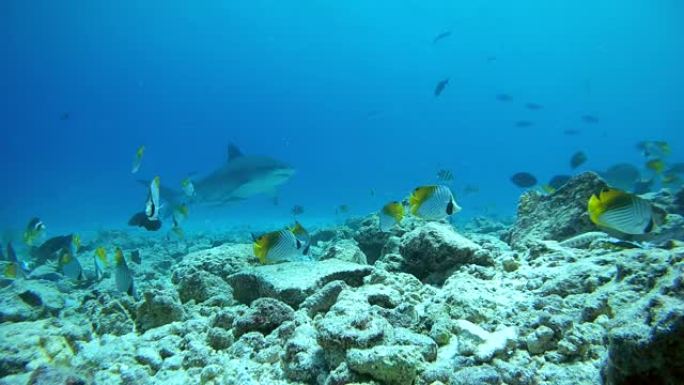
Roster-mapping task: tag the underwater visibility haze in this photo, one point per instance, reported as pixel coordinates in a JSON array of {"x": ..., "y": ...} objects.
[{"x": 372, "y": 192}]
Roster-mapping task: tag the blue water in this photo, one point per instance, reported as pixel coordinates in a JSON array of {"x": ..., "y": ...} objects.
[{"x": 342, "y": 91}]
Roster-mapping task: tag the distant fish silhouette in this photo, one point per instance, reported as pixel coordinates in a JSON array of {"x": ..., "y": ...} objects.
[
  {"x": 572, "y": 131},
  {"x": 64, "y": 116},
  {"x": 590, "y": 119},
  {"x": 439, "y": 88},
  {"x": 441, "y": 36},
  {"x": 524, "y": 179},
  {"x": 577, "y": 159},
  {"x": 297, "y": 210},
  {"x": 504, "y": 97},
  {"x": 533, "y": 106},
  {"x": 523, "y": 123}
]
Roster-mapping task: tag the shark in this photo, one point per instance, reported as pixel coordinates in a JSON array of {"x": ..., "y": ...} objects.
[{"x": 241, "y": 177}]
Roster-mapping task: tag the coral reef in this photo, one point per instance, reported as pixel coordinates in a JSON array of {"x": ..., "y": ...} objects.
[{"x": 434, "y": 306}]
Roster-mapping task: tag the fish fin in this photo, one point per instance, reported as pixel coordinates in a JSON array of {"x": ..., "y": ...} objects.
[
  {"x": 650, "y": 227},
  {"x": 306, "y": 249},
  {"x": 233, "y": 152},
  {"x": 133, "y": 292}
]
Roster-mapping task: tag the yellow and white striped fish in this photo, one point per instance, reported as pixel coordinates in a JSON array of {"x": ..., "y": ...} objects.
[
  {"x": 621, "y": 211},
  {"x": 390, "y": 215},
  {"x": 101, "y": 262},
  {"x": 278, "y": 246},
  {"x": 433, "y": 202}
]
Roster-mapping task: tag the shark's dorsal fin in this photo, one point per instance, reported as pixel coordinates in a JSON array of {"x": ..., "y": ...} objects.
[{"x": 233, "y": 152}]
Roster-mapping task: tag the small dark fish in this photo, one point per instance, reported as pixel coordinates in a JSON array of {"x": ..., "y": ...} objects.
[
  {"x": 523, "y": 123},
  {"x": 439, "y": 88},
  {"x": 572, "y": 131},
  {"x": 590, "y": 119},
  {"x": 142, "y": 220},
  {"x": 557, "y": 181},
  {"x": 445, "y": 175},
  {"x": 504, "y": 97},
  {"x": 275, "y": 201},
  {"x": 533, "y": 106},
  {"x": 524, "y": 179},
  {"x": 441, "y": 36},
  {"x": 491, "y": 58},
  {"x": 297, "y": 210},
  {"x": 341, "y": 209},
  {"x": 373, "y": 114},
  {"x": 135, "y": 256},
  {"x": 578, "y": 159},
  {"x": 471, "y": 189},
  {"x": 51, "y": 248},
  {"x": 64, "y": 116}
]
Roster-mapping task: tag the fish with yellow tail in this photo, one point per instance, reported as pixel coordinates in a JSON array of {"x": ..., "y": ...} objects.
[
  {"x": 278, "y": 246},
  {"x": 621, "y": 211},
  {"x": 137, "y": 159},
  {"x": 70, "y": 266},
  {"x": 433, "y": 202},
  {"x": 302, "y": 235},
  {"x": 101, "y": 262},
  {"x": 123, "y": 276},
  {"x": 14, "y": 268},
  {"x": 34, "y": 230},
  {"x": 391, "y": 214},
  {"x": 656, "y": 165},
  {"x": 188, "y": 187}
]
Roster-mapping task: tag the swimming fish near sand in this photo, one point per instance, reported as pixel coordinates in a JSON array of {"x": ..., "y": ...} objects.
[
  {"x": 14, "y": 268},
  {"x": 101, "y": 262},
  {"x": 51, "y": 249},
  {"x": 153, "y": 205},
  {"x": 141, "y": 220},
  {"x": 34, "y": 230},
  {"x": 621, "y": 211},
  {"x": 278, "y": 246},
  {"x": 188, "y": 187},
  {"x": 70, "y": 266},
  {"x": 123, "y": 276},
  {"x": 433, "y": 202},
  {"x": 391, "y": 214},
  {"x": 149, "y": 219},
  {"x": 302, "y": 235}
]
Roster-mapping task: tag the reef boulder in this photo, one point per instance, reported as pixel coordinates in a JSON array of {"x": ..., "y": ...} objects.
[
  {"x": 293, "y": 282},
  {"x": 432, "y": 252},
  {"x": 557, "y": 216}
]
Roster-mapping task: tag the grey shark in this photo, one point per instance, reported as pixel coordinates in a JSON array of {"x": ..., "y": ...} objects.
[{"x": 242, "y": 176}]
